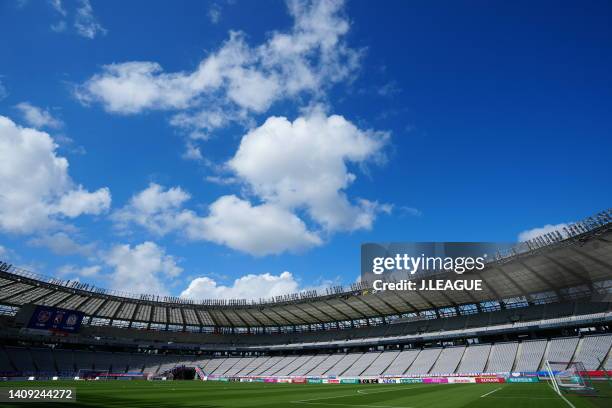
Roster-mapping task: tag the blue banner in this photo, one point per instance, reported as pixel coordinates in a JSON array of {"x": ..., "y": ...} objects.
[{"x": 54, "y": 319}]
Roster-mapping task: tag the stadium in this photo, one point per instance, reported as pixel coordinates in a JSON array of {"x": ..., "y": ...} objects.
[{"x": 539, "y": 334}]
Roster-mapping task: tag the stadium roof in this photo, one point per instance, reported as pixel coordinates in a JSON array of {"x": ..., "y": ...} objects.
[{"x": 563, "y": 265}]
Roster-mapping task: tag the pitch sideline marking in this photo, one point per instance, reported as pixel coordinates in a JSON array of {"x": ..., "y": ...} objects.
[{"x": 491, "y": 392}]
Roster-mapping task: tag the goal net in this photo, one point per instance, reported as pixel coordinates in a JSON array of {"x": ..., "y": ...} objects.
[
  {"x": 569, "y": 377},
  {"x": 85, "y": 374}
]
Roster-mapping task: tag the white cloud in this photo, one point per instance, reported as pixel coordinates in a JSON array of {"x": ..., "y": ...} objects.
[
  {"x": 143, "y": 268},
  {"x": 85, "y": 22},
  {"x": 415, "y": 212},
  {"x": 536, "y": 232},
  {"x": 214, "y": 13},
  {"x": 258, "y": 230},
  {"x": 36, "y": 189},
  {"x": 75, "y": 271},
  {"x": 154, "y": 209},
  {"x": 80, "y": 201},
  {"x": 309, "y": 58},
  {"x": 3, "y": 251},
  {"x": 59, "y": 27},
  {"x": 290, "y": 167},
  {"x": 192, "y": 152},
  {"x": 246, "y": 287},
  {"x": 62, "y": 244},
  {"x": 303, "y": 164},
  {"x": 3, "y": 91},
  {"x": 38, "y": 117},
  {"x": 57, "y": 6}
]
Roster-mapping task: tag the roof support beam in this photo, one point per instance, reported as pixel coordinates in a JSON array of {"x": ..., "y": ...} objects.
[{"x": 297, "y": 306}]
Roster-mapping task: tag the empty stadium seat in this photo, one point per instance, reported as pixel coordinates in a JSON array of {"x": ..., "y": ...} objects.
[
  {"x": 474, "y": 359},
  {"x": 530, "y": 355},
  {"x": 502, "y": 357}
]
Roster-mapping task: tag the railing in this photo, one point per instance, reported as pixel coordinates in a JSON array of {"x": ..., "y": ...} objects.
[{"x": 596, "y": 222}]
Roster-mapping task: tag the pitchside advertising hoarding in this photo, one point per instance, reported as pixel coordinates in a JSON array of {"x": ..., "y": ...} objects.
[{"x": 55, "y": 320}]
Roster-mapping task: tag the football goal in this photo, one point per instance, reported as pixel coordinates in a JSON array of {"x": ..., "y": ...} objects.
[{"x": 569, "y": 377}]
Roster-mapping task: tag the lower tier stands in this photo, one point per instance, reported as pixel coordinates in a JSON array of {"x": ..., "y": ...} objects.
[{"x": 504, "y": 357}]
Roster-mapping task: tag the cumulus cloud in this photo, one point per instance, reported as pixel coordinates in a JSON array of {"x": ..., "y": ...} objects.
[
  {"x": 308, "y": 58},
  {"x": 61, "y": 243},
  {"x": 256, "y": 229},
  {"x": 231, "y": 221},
  {"x": 246, "y": 287},
  {"x": 36, "y": 191},
  {"x": 290, "y": 167},
  {"x": 38, "y": 117},
  {"x": 303, "y": 164},
  {"x": 536, "y": 232},
  {"x": 80, "y": 201},
  {"x": 153, "y": 208},
  {"x": 143, "y": 268}
]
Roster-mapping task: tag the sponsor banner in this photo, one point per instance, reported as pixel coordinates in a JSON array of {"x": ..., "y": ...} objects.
[
  {"x": 333, "y": 381},
  {"x": 270, "y": 380},
  {"x": 522, "y": 379},
  {"x": 299, "y": 381},
  {"x": 369, "y": 381},
  {"x": 349, "y": 381},
  {"x": 284, "y": 380},
  {"x": 388, "y": 381},
  {"x": 490, "y": 380},
  {"x": 223, "y": 379},
  {"x": 315, "y": 381},
  {"x": 410, "y": 380},
  {"x": 55, "y": 320},
  {"x": 245, "y": 380},
  {"x": 324, "y": 381},
  {"x": 435, "y": 380},
  {"x": 599, "y": 373},
  {"x": 461, "y": 380},
  {"x": 524, "y": 374},
  {"x": 258, "y": 380}
]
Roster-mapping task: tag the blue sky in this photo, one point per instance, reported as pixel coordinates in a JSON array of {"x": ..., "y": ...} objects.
[{"x": 225, "y": 149}]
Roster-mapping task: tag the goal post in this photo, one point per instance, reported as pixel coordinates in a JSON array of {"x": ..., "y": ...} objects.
[{"x": 569, "y": 377}]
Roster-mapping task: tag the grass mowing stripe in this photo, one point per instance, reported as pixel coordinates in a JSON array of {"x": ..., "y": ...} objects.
[{"x": 307, "y": 401}]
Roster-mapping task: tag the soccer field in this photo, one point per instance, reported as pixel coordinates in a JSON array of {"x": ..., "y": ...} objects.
[{"x": 176, "y": 394}]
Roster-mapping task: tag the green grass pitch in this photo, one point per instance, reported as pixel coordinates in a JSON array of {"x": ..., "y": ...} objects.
[{"x": 177, "y": 394}]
